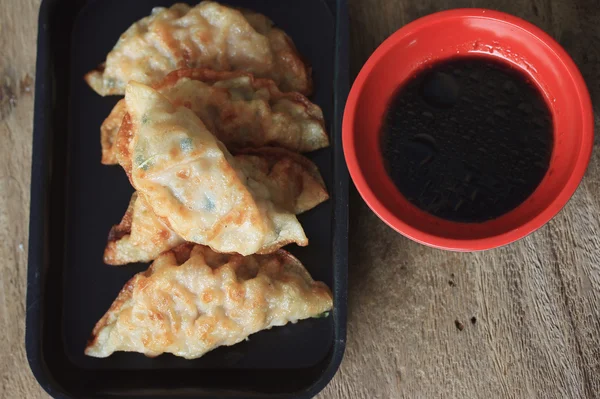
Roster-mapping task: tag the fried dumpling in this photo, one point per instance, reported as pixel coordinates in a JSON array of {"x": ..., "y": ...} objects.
[
  {"x": 108, "y": 133},
  {"x": 140, "y": 237},
  {"x": 240, "y": 110},
  {"x": 193, "y": 300},
  {"x": 293, "y": 181},
  {"x": 208, "y": 35},
  {"x": 192, "y": 182}
]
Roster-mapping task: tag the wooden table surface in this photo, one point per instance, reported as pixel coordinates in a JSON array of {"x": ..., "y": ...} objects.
[{"x": 530, "y": 313}]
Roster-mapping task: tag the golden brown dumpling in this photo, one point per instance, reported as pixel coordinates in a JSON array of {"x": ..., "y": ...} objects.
[
  {"x": 108, "y": 133},
  {"x": 193, "y": 300},
  {"x": 208, "y": 35},
  {"x": 239, "y": 110},
  {"x": 140, "y": 237},
  {"x": 293, "y": 181},
  {"x": 192, "y": 182}
]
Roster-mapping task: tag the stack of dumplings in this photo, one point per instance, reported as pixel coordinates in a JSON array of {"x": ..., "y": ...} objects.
[{"x": 210, "y": 133}]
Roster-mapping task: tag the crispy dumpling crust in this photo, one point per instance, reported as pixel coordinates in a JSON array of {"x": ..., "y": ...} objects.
[
  {"x": 290, "y": 65},
  {"x": 140, "y": 237},
  {"x": 192, "y": 300},
  {"x": 294, "y": 182},
  {"x": 240, "y": 110},
  {"x": 209, "y": 35},
  {"x": 192, "y": 182},
  {"x": 108, "y": 133}
]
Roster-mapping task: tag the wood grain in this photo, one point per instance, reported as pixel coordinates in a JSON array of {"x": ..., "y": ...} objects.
[
  {"x": 529, "y": 313},
  {"x": 18, "y": 31}
]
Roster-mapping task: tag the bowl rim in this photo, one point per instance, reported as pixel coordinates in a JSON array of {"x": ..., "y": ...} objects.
[{"x": 442, "y": 242}]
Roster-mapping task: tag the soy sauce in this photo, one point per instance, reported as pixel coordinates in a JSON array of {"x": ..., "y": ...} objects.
[{"x": 467, "y": 139}]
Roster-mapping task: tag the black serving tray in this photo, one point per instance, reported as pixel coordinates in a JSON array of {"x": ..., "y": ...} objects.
[{"x": 75, "y": 200}]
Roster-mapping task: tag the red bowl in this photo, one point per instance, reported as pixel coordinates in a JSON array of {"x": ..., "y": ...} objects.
[{"x": 473, "y": 32}]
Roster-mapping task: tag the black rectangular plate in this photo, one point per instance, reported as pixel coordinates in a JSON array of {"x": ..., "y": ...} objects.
[{"x": 75, "y": 200}]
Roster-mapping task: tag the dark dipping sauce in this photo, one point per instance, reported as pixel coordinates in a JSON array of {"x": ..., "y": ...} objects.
[{"x": 467, "y": 139}]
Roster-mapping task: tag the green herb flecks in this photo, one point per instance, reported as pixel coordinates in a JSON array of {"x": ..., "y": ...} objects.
[
  {"x": 209, "y": 204},
  {"x": 186, "y": 145},
  {"x": 321, "y": 316},
  {"x": 144, "y": 164}
]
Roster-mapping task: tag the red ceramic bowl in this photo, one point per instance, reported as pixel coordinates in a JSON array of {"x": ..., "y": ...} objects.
[{"x": 483, "y": 33}]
